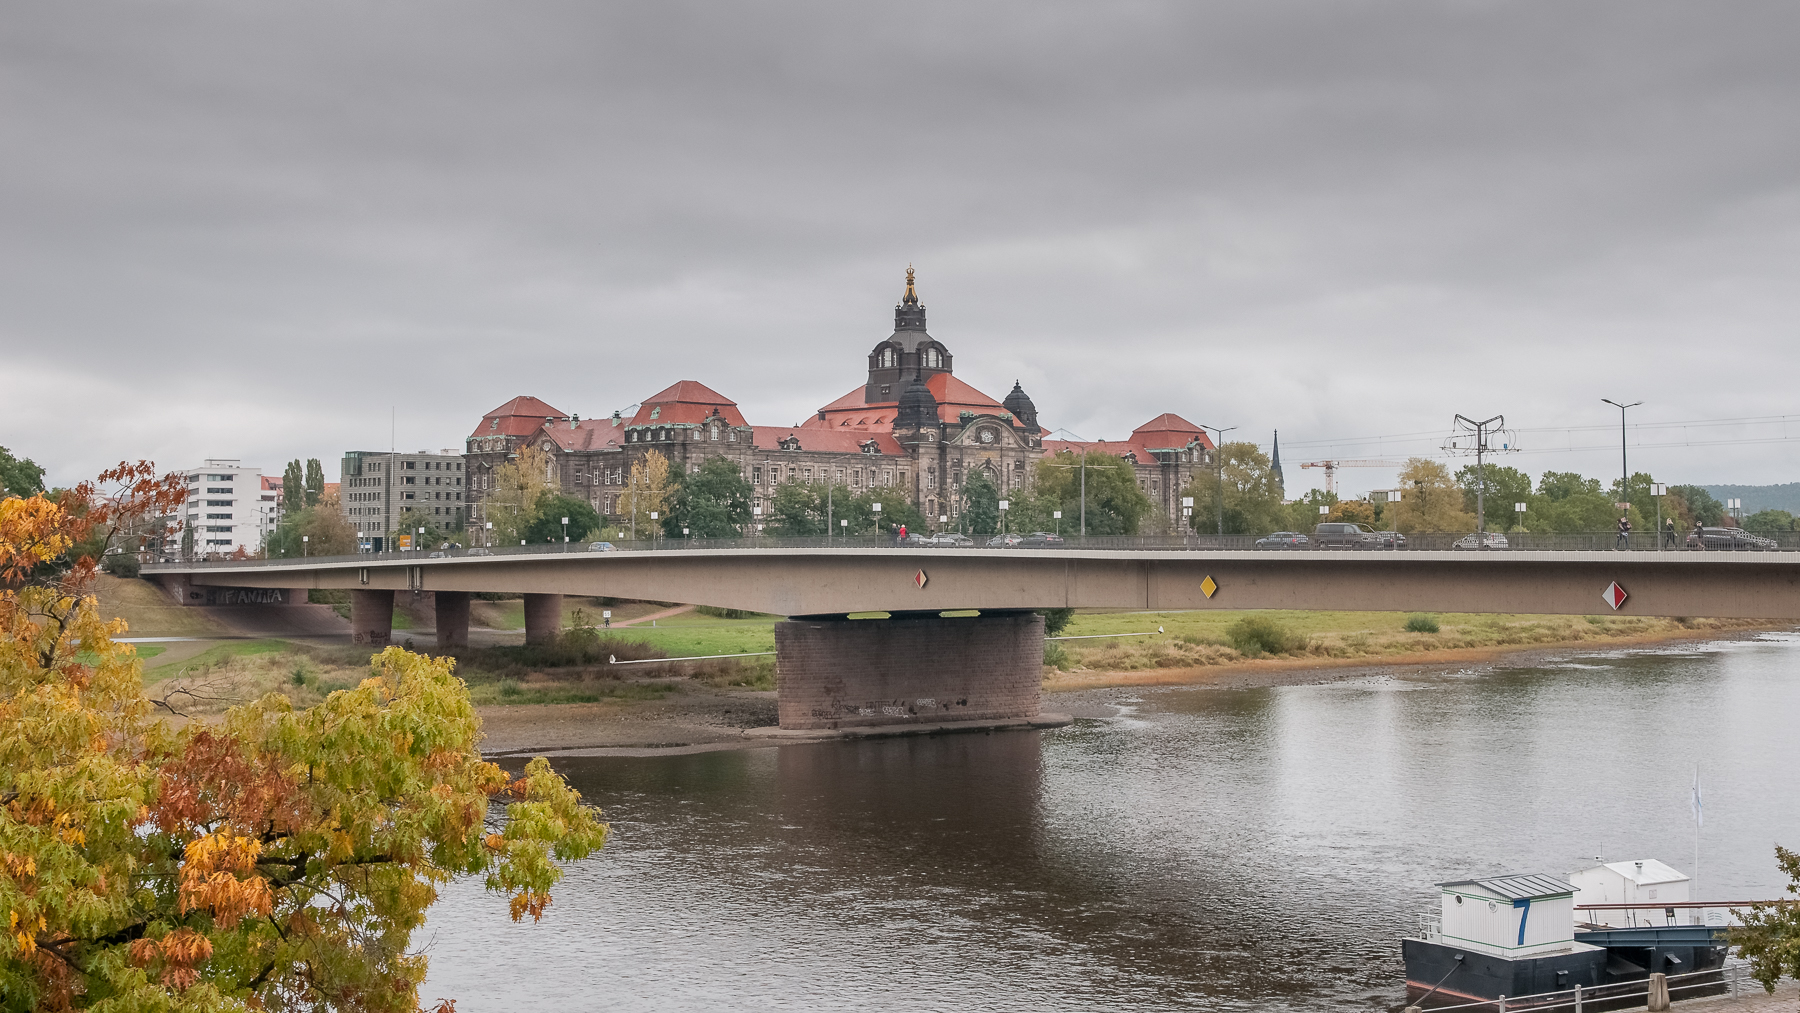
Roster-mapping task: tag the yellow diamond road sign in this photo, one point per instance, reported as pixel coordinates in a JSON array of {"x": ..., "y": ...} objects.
[{"x": 1209, "y": 587}]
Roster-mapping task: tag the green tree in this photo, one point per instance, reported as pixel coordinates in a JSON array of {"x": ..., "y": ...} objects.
[
  {"x": 1430, "y": 500},
  {"x": 1770, "y": 936},
  {"x": 1505, "y": 487},
  {"x": 1699, "y": 505},
  {"x": 326, "y": 530},
  {"x": 1557, "y": 486},
  {"x": 981, "y": 503},
  {"x": 895, "y": 511},
  {"x": 1252, "y": 497},
  {"x": 293, "y": 489},
  {"x": 546, "y": 519},
  {"x": 19, "y": 477},
  {"x": 1568, "y": 503},
  {"x": 1303, "y": 514},
  {"x": 1771, "y": 521},
  {"x": 315, "y": 481},
  {"x": 713, "y": 502},
  {"x": 423, "y": 532},
  {"x": 1115, "y": 503},
  {"x": 797, "y": 510}
]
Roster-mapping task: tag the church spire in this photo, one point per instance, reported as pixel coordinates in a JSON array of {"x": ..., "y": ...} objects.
[
  {"x": 911, "y": 298},
  {"x": 1275, "y": 466}
]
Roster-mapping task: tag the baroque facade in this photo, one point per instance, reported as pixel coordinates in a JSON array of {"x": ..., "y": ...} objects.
[{"x": 911, "y": 426}]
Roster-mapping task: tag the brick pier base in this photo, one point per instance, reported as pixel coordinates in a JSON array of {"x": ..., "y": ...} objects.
[{"x": 846, "y": 673}]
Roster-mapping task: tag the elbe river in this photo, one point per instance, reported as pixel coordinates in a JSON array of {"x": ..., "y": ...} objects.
[{"x": 1203, "y": 849}]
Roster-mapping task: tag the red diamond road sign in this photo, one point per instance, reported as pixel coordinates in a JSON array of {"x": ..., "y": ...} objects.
[
  {"x": 920, "y": 579},
  {"x": 1614, "y": 595}
]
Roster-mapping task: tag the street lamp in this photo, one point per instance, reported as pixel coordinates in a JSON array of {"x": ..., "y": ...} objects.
[
  {"x": 1624, "y": 470},
  {"x": 1083, "y": 467}
]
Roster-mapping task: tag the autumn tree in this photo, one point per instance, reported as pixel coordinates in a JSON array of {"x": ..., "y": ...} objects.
[
  {"x": 1430, "y": 500},
  {"x": 327, "y": 532},
  {"x": 648, "y": 490},
  {"x": 510, "y": 503},
  {"x": 278, "y": 859}
]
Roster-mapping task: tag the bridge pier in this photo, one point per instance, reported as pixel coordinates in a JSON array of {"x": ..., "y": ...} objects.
[
  {"x": 543, "y": 618},
  {"x": 910, "y": 669},
  {"x": 452, "y": 619},
  {"x": 371, "y": 617}
]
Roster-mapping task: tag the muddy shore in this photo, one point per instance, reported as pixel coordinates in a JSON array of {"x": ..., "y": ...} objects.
[{"x": 703, "y": 719}]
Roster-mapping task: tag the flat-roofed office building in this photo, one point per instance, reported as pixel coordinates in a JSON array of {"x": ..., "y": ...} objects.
[
  {"x": 225, "y": 509},
  {"x": 384, "y": 492}
]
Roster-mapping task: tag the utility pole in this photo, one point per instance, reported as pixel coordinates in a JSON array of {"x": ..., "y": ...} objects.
[
  {"x": 1624, "y": 469},
  {"x": 1219, "y": 463},
  {"x": 1483, "y": 433},
  {"x": 1083, "y": 467}
]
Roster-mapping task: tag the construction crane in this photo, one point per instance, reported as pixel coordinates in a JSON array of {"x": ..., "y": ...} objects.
[{"x": 1331, "y": 468}]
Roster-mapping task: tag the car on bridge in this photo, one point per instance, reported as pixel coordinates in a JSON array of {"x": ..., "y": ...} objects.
[
  {"x": 1736, "y": 539},
  {"x": 1284, "y": 540},
  {"x": 1041, "y": 540},
  {"x": 1481, "y": 540},
  {"x": 912, "y": 538},
  {"x": 1007, "y": 541},
  {"x": 1345, "y": 535},
  {"x": 602, "y": 547},
  {"x": 951, "y": 540}
]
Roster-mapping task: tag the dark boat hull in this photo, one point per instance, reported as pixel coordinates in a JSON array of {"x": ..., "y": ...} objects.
[{"x": 1624, "y": 956}]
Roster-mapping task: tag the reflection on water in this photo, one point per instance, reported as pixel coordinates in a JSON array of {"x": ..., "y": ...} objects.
[{"x": 1250, "y": 849}]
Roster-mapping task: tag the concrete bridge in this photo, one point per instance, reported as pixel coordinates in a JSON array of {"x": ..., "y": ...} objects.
[{"x": 920, "y": 665}]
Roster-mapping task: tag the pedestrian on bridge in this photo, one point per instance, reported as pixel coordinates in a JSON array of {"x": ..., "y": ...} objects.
[
  {"x": 1669, "y": 534},
  {"x": 1624, "y": 533},
  {"x": 1699, "y": 534}
]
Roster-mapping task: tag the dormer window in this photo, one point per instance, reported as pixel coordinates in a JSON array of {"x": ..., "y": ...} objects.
[
  {"x": 885, "y": 360},
  {"x": 493, "y": 424},
  {"x": 656, "y": 412}
]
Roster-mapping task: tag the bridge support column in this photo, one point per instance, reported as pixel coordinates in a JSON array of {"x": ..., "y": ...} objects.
[
  {"x": 543, "y": 618},
  {"x": 452, "y": 619},
  {"x": 843, "y": 673},
  {"x": 371, "y": 617}
]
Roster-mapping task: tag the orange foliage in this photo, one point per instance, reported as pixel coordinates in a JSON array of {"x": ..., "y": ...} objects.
[
  {"x": 212, "y": 782},
  {"x": 210, "y": 879},
  {"x": 41, "y": 528}
]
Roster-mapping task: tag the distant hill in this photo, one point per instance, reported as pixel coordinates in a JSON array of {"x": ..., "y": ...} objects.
[{"x": 1761, "y": 497}]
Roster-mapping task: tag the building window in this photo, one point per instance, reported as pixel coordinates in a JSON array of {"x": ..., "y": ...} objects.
[
  {"x": 756, "y": 475},
  {"x": 807, "y": 475},
  {"x": 412, "y": 465},
  {"x": 218, "y": 517}
]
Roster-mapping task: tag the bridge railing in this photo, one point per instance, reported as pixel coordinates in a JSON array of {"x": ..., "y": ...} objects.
[{"x": 1515, "y": 541}]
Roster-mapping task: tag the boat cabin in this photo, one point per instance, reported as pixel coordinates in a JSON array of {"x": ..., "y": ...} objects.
[
  {"x": 1645, "y": 882},
  {"x": 1509, "y": 916}
]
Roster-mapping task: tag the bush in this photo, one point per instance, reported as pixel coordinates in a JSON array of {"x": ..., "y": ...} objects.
[
  {"x": 1056, "y": 620},
  {"x": 122, "y": 564},
  {"x": 1422, "y": 624},
  {"x": 724, "y": 613},
  {"x": 1254, "y": 636},
  {"x": 1057, "y": 658}
]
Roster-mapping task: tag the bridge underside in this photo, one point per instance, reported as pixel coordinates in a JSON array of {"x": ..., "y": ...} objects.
[{"x": 922, "y": 667}]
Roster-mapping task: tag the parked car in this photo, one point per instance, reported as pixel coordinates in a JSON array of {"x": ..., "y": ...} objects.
[
  {"x": 602, "y": 547},
  {"x": 1041, "y": 540},
  {"x": 1343, "y": 535},
  {"x": 913, "y": 538},
  {"x": 479, "y": 552},
  {"x": 1284, "y": 540},
  {"x": 1004, "y": 541},
  {"x": 952, "y": 540},
  {"x": 1732, "y": 539},
  {"x": 1481, "y": 540}
]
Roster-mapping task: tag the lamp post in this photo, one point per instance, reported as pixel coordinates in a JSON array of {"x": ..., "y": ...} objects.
[
  {"x": 1219, "y": 462},
  {"x": 1624, "y": 469},
  {"x": 1083, "y": 467}
]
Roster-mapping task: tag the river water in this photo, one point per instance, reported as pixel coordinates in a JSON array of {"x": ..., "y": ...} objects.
[{"x": 1203, "y": 849}]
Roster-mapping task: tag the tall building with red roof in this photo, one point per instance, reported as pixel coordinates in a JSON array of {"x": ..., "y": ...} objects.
[{"x": 911, "y": 425}]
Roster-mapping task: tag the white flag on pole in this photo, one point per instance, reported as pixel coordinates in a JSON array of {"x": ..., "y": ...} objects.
[{"x": 1699, "y": 807}]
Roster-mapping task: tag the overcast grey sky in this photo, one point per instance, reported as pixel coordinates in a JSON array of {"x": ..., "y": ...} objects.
[{"x": 251, "y": 230}]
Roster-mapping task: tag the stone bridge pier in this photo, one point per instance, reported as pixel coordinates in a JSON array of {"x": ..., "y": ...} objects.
[{"x": 836, "y": 672}]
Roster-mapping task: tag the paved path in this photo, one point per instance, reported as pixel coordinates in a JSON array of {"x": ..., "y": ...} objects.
[
  {"x": 664, "y": 614},
  {"x": 1751, "y": 999}
]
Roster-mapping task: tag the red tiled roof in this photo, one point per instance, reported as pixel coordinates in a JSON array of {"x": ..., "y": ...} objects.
[
  {"x": 519, "y": 417},
  {"x": 825, "y": 441},
  {"x": 687, "y": 401},
  {"x": 1117, "y": 448},
  {"x": 953, "y": 397},
  {"x": 1169, "y": 430},
  {"x": 272, "y": 482},
  {"x": 588, "y": 434}
]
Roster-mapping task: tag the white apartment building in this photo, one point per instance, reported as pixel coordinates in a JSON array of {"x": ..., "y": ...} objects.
[
  {"x": 229, "y": 507},
  {"x": 383, "y": 491}
]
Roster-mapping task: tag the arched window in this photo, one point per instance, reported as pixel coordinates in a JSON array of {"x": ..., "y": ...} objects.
[{"x": 886, "y": 359}]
